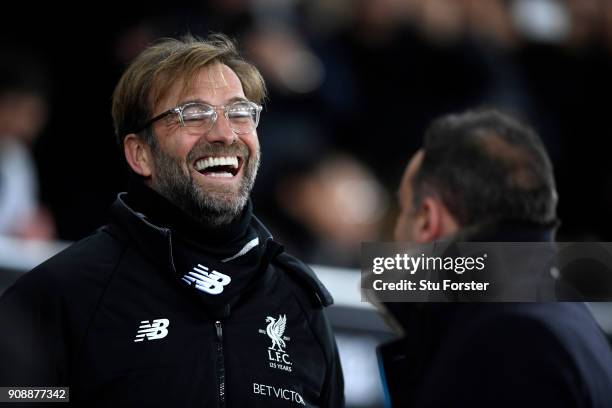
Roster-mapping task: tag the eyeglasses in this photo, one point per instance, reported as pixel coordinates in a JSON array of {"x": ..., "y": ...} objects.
[{"x": 242, "y": 116}]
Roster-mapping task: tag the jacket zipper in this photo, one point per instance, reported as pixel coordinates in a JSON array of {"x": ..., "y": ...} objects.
[{"x": 220, "y": 364}]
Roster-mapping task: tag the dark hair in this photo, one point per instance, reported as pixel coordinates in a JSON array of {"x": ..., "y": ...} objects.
[{"x": 486, "y": 166}]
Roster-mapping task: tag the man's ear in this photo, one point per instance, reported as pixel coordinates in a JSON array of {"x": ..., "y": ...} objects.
[
  {"x": 138, "y": 155},
  {"x": 433, "y": 221}
]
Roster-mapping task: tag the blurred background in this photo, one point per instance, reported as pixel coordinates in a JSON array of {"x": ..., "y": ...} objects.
[{"x": 353, "y": 84}]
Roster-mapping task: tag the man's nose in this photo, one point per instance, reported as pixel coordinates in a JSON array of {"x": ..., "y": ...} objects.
[{"x": 221, "y": 131}]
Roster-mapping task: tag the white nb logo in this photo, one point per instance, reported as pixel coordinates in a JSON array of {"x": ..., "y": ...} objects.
[
  {"x": 205, "y": 281},
  {"x": 152, "y": 331}
]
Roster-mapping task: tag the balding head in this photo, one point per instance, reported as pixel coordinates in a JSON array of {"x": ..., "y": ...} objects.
[{"x": 486, "y": 166}]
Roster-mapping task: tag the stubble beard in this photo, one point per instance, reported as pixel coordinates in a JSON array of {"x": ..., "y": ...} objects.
[{"x": 214, "y": 208}]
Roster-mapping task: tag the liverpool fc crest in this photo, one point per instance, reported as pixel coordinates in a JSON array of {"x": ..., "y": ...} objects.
[{"x": 277, "y": 355}]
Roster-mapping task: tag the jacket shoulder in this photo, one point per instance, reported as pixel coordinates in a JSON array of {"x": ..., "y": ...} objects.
[
  {"x": 305, "y": 278},
  {"x": 571, "y": 323},
  {"x": 49, "y": 308},
  {"x": 562, "y": 338},
  {"x": 94, "y": 256},
  {"x": 568, "y": 324},
  {"x": 314, "y": 297}
]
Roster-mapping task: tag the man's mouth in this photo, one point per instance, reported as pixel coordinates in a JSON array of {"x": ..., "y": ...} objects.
[{"x": 221, "y": 166}]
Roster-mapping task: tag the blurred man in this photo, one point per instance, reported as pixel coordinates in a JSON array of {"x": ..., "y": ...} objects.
[
  {"x": 23, "y": 115},
  {"x": 482, "y": 176},
  {"x": 183, "y": 299}
]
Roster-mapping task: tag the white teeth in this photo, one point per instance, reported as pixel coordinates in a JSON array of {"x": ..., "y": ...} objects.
[
  {"x": 203, "y": 164},
  {"x": 224, "y": 174}
]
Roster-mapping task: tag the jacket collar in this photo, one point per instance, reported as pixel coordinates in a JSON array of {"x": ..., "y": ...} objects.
[
  {"x": 155, "y": 241},
  {"x": 164, "y": 213},
  {"x": 522, "y": 261},
  {"x": 507, "y": 231}
]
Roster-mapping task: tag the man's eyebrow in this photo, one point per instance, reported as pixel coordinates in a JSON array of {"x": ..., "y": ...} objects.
[
  {"x": 198, "y": 100},
  {"x": 238, "y": 99}
]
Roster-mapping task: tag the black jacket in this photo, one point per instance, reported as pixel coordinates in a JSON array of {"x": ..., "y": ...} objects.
[
  {"x": 497, "y": 354},
  {"x": 110, "y": 318}
]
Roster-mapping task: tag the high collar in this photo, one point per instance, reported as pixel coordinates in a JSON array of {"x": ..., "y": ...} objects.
[
  {"x": 507, "y": 231},
  {"x": 163, "y": 213},
  {"x": 519, "y": 260},
  {"x": 155, "y": 241}
]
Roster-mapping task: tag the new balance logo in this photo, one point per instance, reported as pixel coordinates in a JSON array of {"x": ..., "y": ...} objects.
[
  {"x": 209, "y": 282},
  {"x": 152, "y": 331}
]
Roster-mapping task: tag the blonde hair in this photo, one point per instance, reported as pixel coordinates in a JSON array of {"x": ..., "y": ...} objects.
[{"x": 150, "y": 76}]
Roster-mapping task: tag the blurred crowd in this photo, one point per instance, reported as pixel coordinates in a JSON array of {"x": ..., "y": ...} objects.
[{"x": 352, "y": 86}]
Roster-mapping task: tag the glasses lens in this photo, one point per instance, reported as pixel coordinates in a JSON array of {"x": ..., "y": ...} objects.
[
  {"x": 243, "y": 116},
  {"x": 198, "y": 115}
]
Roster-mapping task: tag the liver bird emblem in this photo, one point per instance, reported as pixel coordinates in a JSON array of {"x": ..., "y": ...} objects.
[{"x": 275, "y": 330}]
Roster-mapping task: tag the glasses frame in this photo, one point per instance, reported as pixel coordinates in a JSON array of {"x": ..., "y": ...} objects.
[{"x": 178, "y": 110}]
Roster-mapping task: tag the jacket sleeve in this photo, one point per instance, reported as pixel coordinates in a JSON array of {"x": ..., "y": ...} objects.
[
  {"x": 32, "y": 349},
  {"x": 333, "y": 393},
  {"x": 314, "y": 300}
]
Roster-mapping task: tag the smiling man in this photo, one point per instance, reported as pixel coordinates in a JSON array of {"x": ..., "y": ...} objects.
[
  {"x": 209, "y": 169},
  {"x": 183, "y": 299}
]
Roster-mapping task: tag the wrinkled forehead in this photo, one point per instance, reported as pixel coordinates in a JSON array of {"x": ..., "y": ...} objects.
[
  {"x": 212, "y": 77},
  {"x": 208, "y": 83}
]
